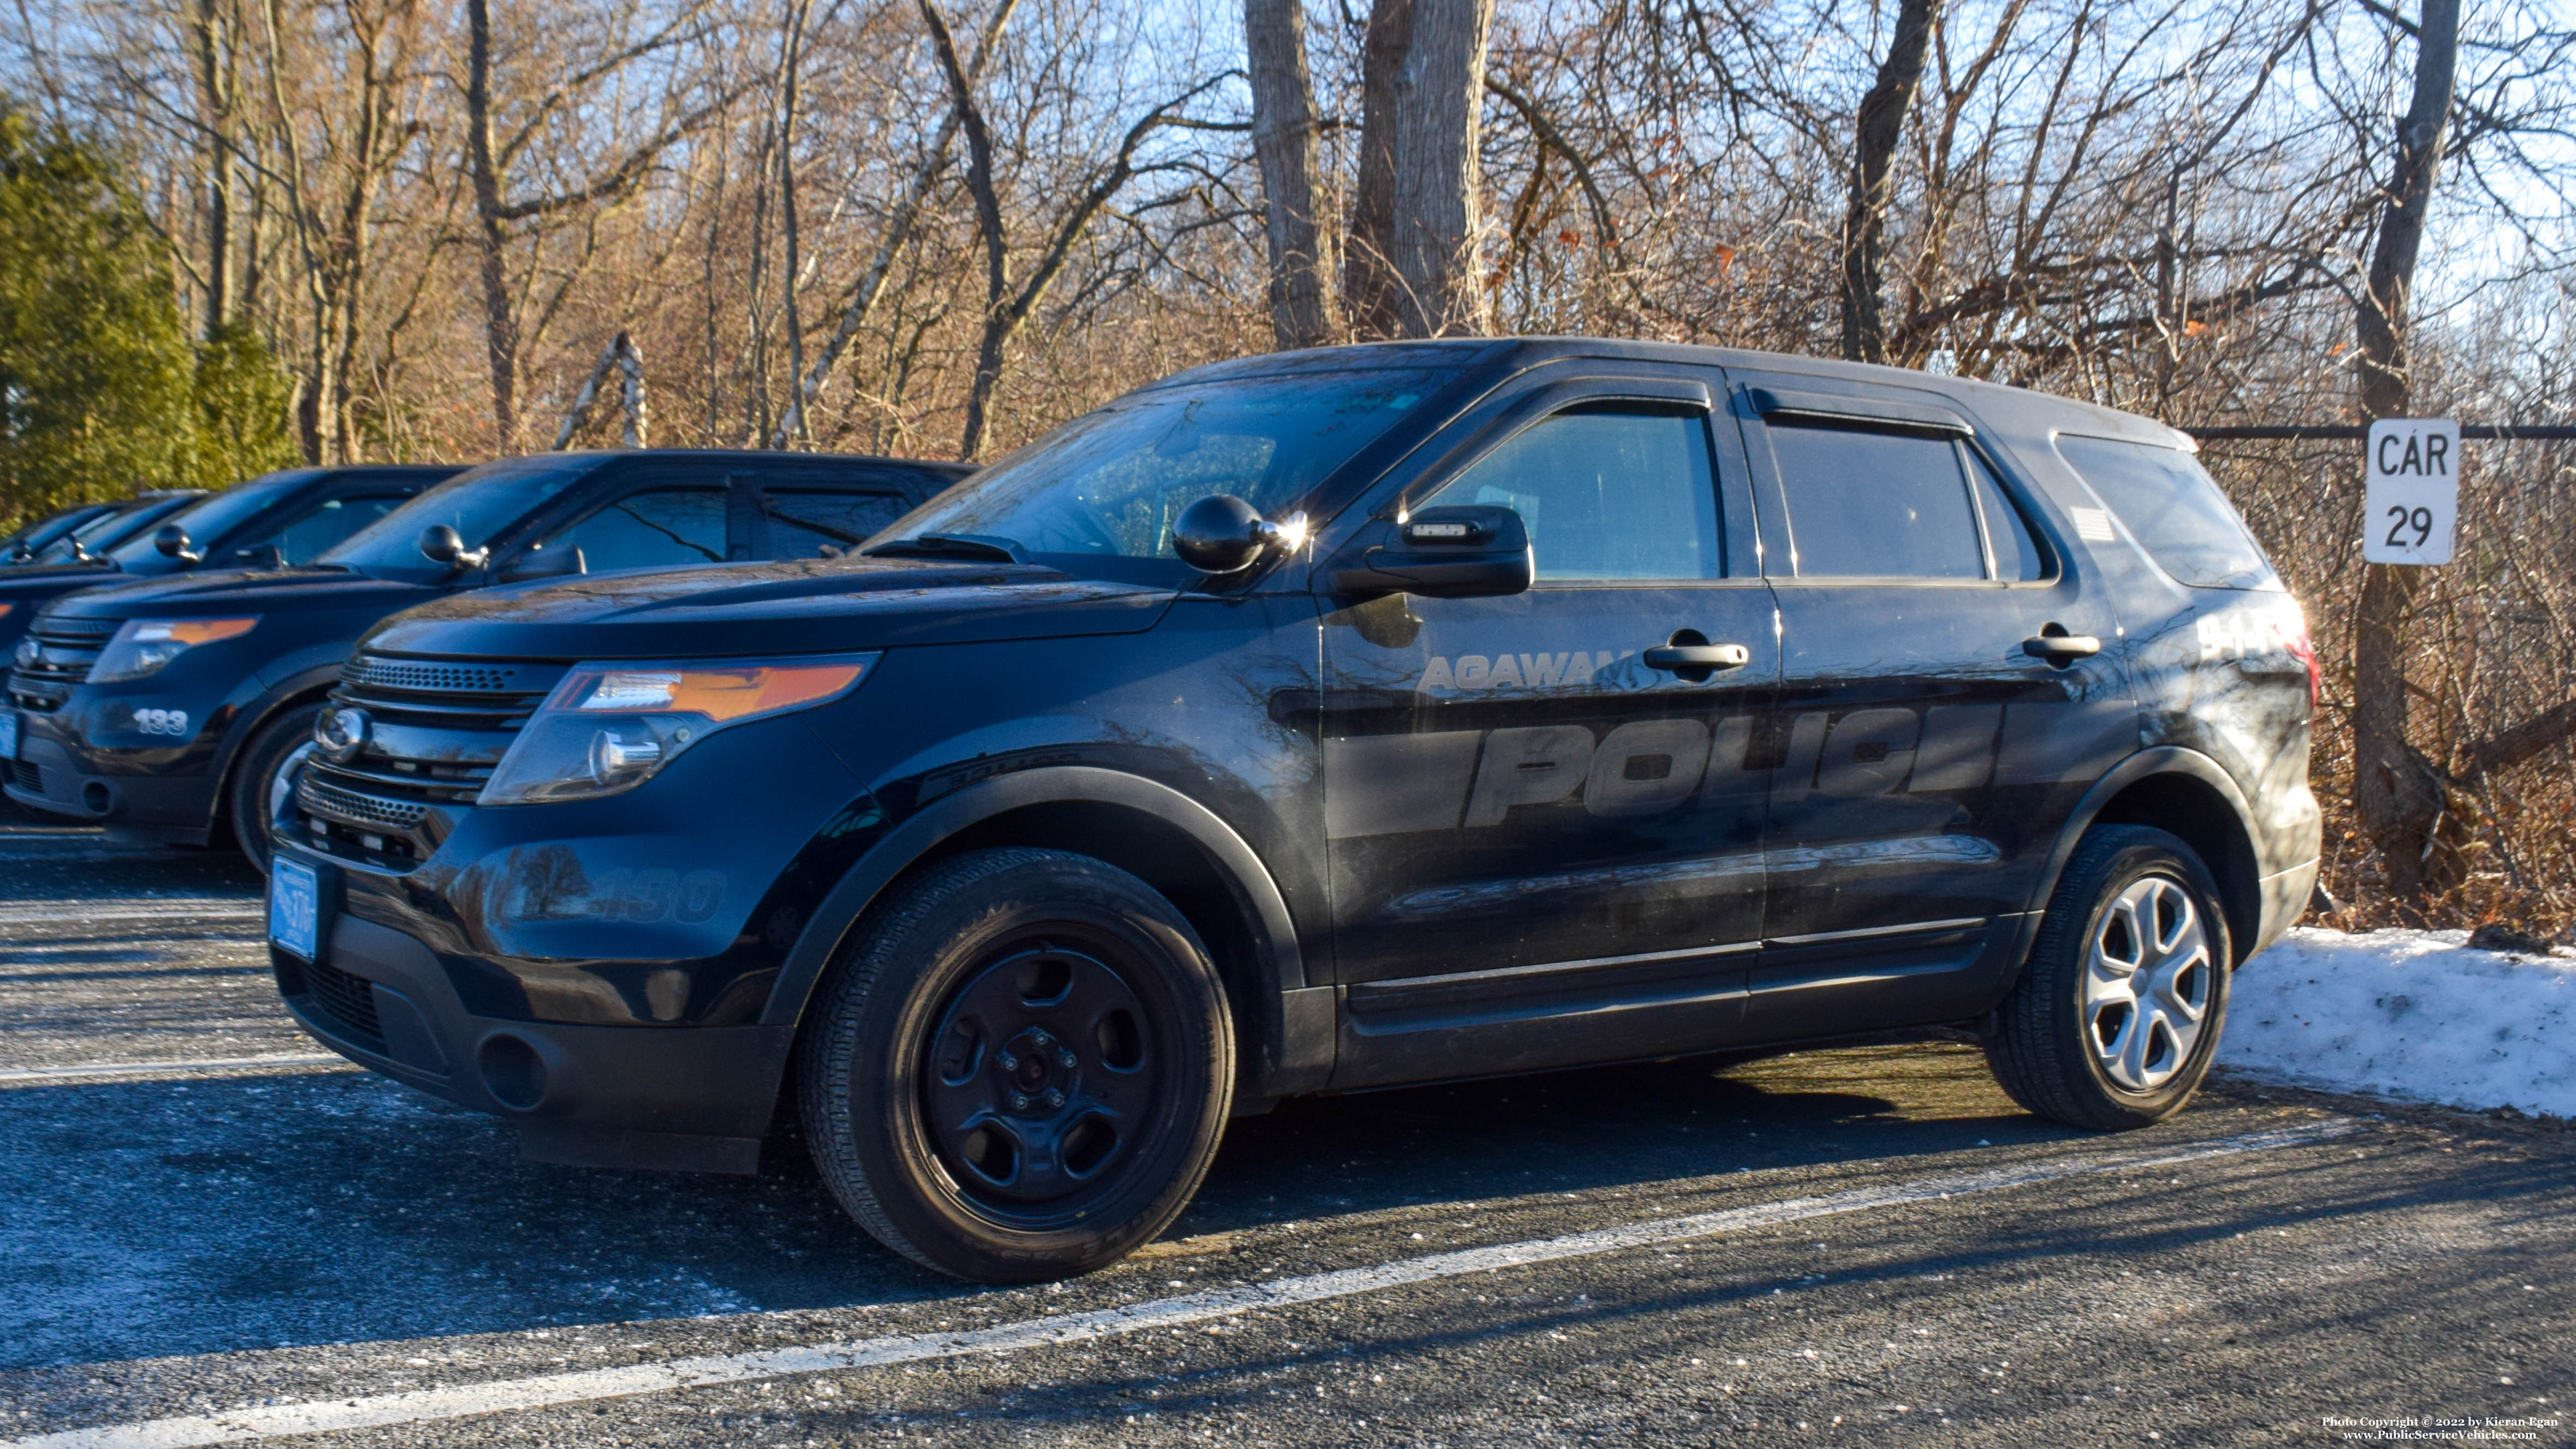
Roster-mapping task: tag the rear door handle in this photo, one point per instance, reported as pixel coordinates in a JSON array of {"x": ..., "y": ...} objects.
[
  {"x": 2062, "y": 648},
  {"x": 1698, "y": 656}
]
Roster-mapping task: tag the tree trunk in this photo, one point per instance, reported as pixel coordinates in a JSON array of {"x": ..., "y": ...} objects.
[
  {"x": 1881, "y": 125},
  {"x": 500, "y": 336},
  {"x": 2396, "y": 792},
  {"x": 988, "y": 226},
  {"x": 1368, "y": 269},
  {"x": 212, "y": 33},
  {"x": 791, "y": 52},
  {"x": 1433, "y": 226},
  {"x": 1283, "y": 137}
]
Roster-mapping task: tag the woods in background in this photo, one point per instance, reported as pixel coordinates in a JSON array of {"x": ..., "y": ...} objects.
[{"x": 456, "y": 228}]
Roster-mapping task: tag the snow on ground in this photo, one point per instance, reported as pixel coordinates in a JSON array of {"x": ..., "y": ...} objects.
[{"x": 2414, "y": 1014}]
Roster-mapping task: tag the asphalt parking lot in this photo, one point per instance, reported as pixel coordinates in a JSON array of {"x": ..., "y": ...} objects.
[{"x": 211, "y": 1233}]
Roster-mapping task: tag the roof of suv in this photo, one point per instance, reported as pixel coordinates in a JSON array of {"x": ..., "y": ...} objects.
[{"x": 2014, "y": 408}]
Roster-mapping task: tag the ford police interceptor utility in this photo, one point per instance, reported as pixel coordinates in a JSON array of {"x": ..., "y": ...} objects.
[{"x": 1316, "y": 722}]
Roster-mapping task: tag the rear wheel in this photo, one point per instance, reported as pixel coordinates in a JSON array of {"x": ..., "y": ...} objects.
[
  {"x": 1022, "y": 1068},
  {"x": 265, "y": 776},
  {"x": 2115, "y": 1020}
]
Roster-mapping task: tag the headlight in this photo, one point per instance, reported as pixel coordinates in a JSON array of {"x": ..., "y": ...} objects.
[
  {"x": 146, "y": 646},
  {"x": 611, "y": 727}
]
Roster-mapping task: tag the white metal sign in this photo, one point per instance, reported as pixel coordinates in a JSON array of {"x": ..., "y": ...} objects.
[{"x": 2411, "y": 499}]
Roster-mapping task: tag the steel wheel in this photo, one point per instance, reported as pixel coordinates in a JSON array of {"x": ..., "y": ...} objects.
[
  {"x": 2146, "y": 984},
  {"x": 1038, "y": 1082}
]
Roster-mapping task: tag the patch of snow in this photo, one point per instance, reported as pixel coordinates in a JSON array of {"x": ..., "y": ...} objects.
[{"x": 2411, "y": 1014}]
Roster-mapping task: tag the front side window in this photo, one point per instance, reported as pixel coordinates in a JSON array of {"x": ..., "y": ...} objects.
[
  {"x": 803, "y": 522},
  {"x": 2175, "y": 511},
  {"x": 657, "y": 528},
  {"x": 1607, "y": 492},
  {"x": 1876, "y": 505},
  {"x": 318, "y": 532}
]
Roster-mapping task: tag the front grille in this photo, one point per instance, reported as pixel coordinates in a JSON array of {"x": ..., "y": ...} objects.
[
  {"x": 346, "y": 999},
  {"x": 329, "y": 799},
  {"x": 65, "y": 648},
  {"x": 436, "y": 730},
  {"x": 24, "y": 775}
]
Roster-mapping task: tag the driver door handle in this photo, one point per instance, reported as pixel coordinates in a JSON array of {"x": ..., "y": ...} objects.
[
  {"x": 2062, "y": 648},
  {"x": 1698, "y": 656}
]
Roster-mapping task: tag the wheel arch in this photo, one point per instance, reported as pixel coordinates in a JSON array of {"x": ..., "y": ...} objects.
[
  {"x": 2188, "y": 795},
  {"x": 307, "y": 686},
  {"x": 1172, "y": 842}
]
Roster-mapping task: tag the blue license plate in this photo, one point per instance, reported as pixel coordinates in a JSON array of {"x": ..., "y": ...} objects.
[
  {"x": 8, "y": 734},
  {"x": 294, "y": 906}
]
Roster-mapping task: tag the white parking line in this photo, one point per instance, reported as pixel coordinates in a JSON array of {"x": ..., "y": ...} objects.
[
  {"x": 209, "y": 1067},
  {"x": 467, "y": 1400},
  {"x": 213, "y": 908}
]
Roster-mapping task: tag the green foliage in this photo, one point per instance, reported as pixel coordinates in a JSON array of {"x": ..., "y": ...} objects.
[
  {"x": 101, "y": 389},
  {"x": 243, "y": 404}
]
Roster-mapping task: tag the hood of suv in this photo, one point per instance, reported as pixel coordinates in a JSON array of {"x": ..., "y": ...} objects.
[
  {"x": 247, "y": 591},
  {"x": 806, "y": 606}
]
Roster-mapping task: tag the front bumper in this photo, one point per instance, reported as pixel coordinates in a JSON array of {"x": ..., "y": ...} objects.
[
  {"x": 46, "y": 777},
  {"x": 673, "y": 1097}
]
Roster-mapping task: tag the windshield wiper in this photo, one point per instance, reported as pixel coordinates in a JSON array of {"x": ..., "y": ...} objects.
[{"x": 951, "y": 545}]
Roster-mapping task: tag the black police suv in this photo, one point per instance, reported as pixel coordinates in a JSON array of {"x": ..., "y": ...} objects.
[
  {"x": 79, "y": 557},
  {"x": 21, "y": 546},
  {"x": 169, "y": 710},
  {"x": 1323, "y": 721},
  {"x": 91, "y": 543},
  {"x": 276, "y": 518}
]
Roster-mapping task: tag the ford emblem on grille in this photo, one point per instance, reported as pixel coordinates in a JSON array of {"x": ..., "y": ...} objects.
[{"x": 341, "y": 733}]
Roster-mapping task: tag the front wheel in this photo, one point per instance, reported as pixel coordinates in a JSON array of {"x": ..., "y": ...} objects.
[
  {"x": 2115, "y": 1019},
  {"x": 264, "y": 777},
  {"x": 1022, "y": 1068}
]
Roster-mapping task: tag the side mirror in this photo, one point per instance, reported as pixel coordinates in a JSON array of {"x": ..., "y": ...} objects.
[
  {"x": 1440, "y": 553},
  {"x": 541, "y": 562},
  {"x": 1222, "y": 534},
  {"x": 173, "y": 542},
  {"x": 440, "y": 544}
]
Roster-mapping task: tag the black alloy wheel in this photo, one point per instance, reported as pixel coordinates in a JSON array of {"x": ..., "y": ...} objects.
[
  {"x": 1021, "y": 1070},
  {"x": 263, "y": 776}
]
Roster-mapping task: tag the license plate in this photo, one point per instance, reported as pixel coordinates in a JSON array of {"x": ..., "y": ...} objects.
[
  {"x": 294, "y": 906},
  {"x": 8, "y": 734}
]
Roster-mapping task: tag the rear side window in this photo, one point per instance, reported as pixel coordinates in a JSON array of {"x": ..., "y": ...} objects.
[
  {"x": 2017, "y": 555},
  {"x": 308, "y": 537},
  {"x": 2174, "y": 510},
  {"x": 1607, "y": 493},
  {"x": 657, "y": 528},
  {"x": 1876, "y": 505},
  {"x": 804, "y": 522}
]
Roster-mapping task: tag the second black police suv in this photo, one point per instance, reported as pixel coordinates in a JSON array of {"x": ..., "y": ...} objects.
[
  {"x": 170, "y": 710},
  {"x": 1326, "y": 721}
]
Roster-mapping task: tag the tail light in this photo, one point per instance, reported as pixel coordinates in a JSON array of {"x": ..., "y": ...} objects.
[{"x": 2294, "y": 637}]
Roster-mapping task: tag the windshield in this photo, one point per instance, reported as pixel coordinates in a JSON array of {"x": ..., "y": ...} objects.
[
  {"x": 1102, "y": 490},
  {"x": 45, "y": 531},
  {"x": 108, "y": 528},
  {"x": 209, "y": 519},
  {"x": 481, "y": 504}
]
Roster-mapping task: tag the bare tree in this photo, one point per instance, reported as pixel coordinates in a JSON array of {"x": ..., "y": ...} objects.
[
  {"x": 1881, "y": 121},
  {"x": 1284, "y": 129}
]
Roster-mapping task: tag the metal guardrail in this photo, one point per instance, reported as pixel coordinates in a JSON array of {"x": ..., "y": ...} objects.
[{"x": 2358, "y": 432}]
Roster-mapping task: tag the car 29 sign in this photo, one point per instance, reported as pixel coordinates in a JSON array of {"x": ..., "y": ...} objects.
[{"x": 2411, "y": 499}]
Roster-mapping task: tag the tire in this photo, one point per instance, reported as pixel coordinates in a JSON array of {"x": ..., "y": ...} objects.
[
  {"x": 265, "y": 766},
  {"x": 2136, "y": 917},
  {"x": 1020, "y": 1069}
]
